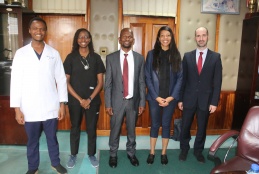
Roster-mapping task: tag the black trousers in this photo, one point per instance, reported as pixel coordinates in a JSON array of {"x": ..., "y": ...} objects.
[
  {"x": 91, "y": 116},
  {"x": 202, "y": 121}
]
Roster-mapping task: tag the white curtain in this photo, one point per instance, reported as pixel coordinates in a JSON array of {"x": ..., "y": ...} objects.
[
  {"x": 60, "y": 6},
  {"x": 150, "y": 7}
]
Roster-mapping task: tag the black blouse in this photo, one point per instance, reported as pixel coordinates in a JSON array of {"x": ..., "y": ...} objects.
[{"x": 164, "y": 74}]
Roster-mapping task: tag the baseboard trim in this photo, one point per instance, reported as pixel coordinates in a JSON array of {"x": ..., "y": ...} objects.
[{"x": 146, "y": 131}]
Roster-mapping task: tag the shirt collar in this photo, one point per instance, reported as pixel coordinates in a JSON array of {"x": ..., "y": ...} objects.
[
  {"x": 204, "y": 51},
  {"x": 122, "y": 53}
]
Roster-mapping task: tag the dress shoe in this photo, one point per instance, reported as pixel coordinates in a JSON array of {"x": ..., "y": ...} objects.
[
  {"x": 199, "y": 157},
  {"x": 133, "y": 160},
  {"x": 150, "y": 158},
  {"x": 164, "y": 159},
  {"x": 113, "y": 162},
  {"x": 183, "y": 155}
]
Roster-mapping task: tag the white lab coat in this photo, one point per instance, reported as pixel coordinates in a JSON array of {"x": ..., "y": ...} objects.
[{"x": 38, "y": 86}]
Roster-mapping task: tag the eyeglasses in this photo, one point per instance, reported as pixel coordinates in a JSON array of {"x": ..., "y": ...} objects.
[{"x": 84, "y": 37}]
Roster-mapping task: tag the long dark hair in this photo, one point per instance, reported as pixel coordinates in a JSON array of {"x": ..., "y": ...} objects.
[
  {"x": 174, "y": 54},
  {"x": 75, "y": 46}
]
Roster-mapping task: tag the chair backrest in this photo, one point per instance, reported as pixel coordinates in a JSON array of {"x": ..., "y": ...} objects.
[{"x": 248, "y": 141}]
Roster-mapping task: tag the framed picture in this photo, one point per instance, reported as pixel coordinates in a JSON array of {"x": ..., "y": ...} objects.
[{"x": 220, "y": 6}]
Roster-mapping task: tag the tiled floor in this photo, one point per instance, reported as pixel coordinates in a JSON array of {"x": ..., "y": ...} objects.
[{"x": 13, "y": 158}]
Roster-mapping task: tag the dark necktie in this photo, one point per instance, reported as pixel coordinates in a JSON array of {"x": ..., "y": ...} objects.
[
  {"x": 199, "y": 65},
  {"x": 125, "y": 76}
]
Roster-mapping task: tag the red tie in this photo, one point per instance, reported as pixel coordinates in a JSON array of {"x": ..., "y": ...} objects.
[
  {"x": 199, "y": 65},
  {"x": 125, "y": 76}
]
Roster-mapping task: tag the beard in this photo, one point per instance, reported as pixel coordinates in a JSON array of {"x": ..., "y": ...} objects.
[{"x": 202, "y": 44}]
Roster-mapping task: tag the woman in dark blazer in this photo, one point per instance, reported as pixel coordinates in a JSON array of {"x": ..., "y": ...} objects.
[{"x": 163, "y": 74}]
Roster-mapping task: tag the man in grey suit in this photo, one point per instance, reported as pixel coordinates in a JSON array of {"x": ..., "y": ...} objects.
[
  {"x": 124, "y": 94},
  {"x": 200, "y": 92}
]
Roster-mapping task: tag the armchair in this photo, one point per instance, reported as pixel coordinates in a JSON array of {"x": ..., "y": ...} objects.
[{"x": 247, "y": 145}]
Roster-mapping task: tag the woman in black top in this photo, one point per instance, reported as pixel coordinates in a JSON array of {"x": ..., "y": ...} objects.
[
  {"x": 84, "y": 71},
  {"x": 163, "y": 79}
]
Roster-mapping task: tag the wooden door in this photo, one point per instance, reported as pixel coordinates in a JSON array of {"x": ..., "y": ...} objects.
[{"x": 145, "y": 30}]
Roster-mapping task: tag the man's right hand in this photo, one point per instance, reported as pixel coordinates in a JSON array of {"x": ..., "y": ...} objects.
[
  {"x": 109, "y": 111},
  {"x": 19, "y": 116}
]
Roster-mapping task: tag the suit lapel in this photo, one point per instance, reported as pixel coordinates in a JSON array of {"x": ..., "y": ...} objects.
[
  {"x": 118, "y": 63},
  {"x": 117, "y": 67},
  {"x": 207, "y": 60},
  {"x": 193, "y": 60},
  {"x": 135, "y": 59}
]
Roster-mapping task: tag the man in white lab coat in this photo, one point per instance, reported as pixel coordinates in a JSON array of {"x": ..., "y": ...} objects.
[{"x": 38, "y": 94}]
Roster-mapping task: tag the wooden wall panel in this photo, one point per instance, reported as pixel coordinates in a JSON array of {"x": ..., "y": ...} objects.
[
  {"x": 10, "y": 131},
  {"x": 61, "y": 30},
  {"x": 139, "y": 35},
  {"x": 219, "y": 122},
  {"x": 229, "y": 110}
]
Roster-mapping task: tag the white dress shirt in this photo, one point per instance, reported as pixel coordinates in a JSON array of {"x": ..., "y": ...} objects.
[{"x": 38, "y": 86}]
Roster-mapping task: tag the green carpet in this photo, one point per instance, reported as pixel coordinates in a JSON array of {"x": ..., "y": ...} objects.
[
  {"x": 18, "y": 157},
  {"x": 174, "y": 166}
]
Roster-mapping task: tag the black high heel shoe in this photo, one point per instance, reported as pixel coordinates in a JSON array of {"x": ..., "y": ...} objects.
[
  {"x": 150, "y": 158},
  {"x": 164, "y": 159}
]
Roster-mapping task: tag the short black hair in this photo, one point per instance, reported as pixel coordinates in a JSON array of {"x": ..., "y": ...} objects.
[{"x": 37, "y": 19}]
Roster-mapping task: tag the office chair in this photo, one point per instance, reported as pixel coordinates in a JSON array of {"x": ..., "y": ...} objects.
[{"x": 247, "y": 151}]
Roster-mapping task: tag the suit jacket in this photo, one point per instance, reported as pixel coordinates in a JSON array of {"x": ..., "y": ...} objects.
[
  {"x": 114, "y": 85},
  {"x": 204, "y": 89},
  {"x": 152, "y": 80}
]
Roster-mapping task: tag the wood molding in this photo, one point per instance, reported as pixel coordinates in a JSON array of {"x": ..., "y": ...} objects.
[
  {"x": 120, "y": 15},
  {"x": 88, "y": 14},
  {"x": 30, "y": 4},
  {"x": 177, "y": 22},
  {"x": 217, "y": 33}
]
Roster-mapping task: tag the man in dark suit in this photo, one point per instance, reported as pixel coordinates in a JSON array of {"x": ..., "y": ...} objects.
[
  {"x": 200, "y": 92},
  {"x": 124, "y": 95}
]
